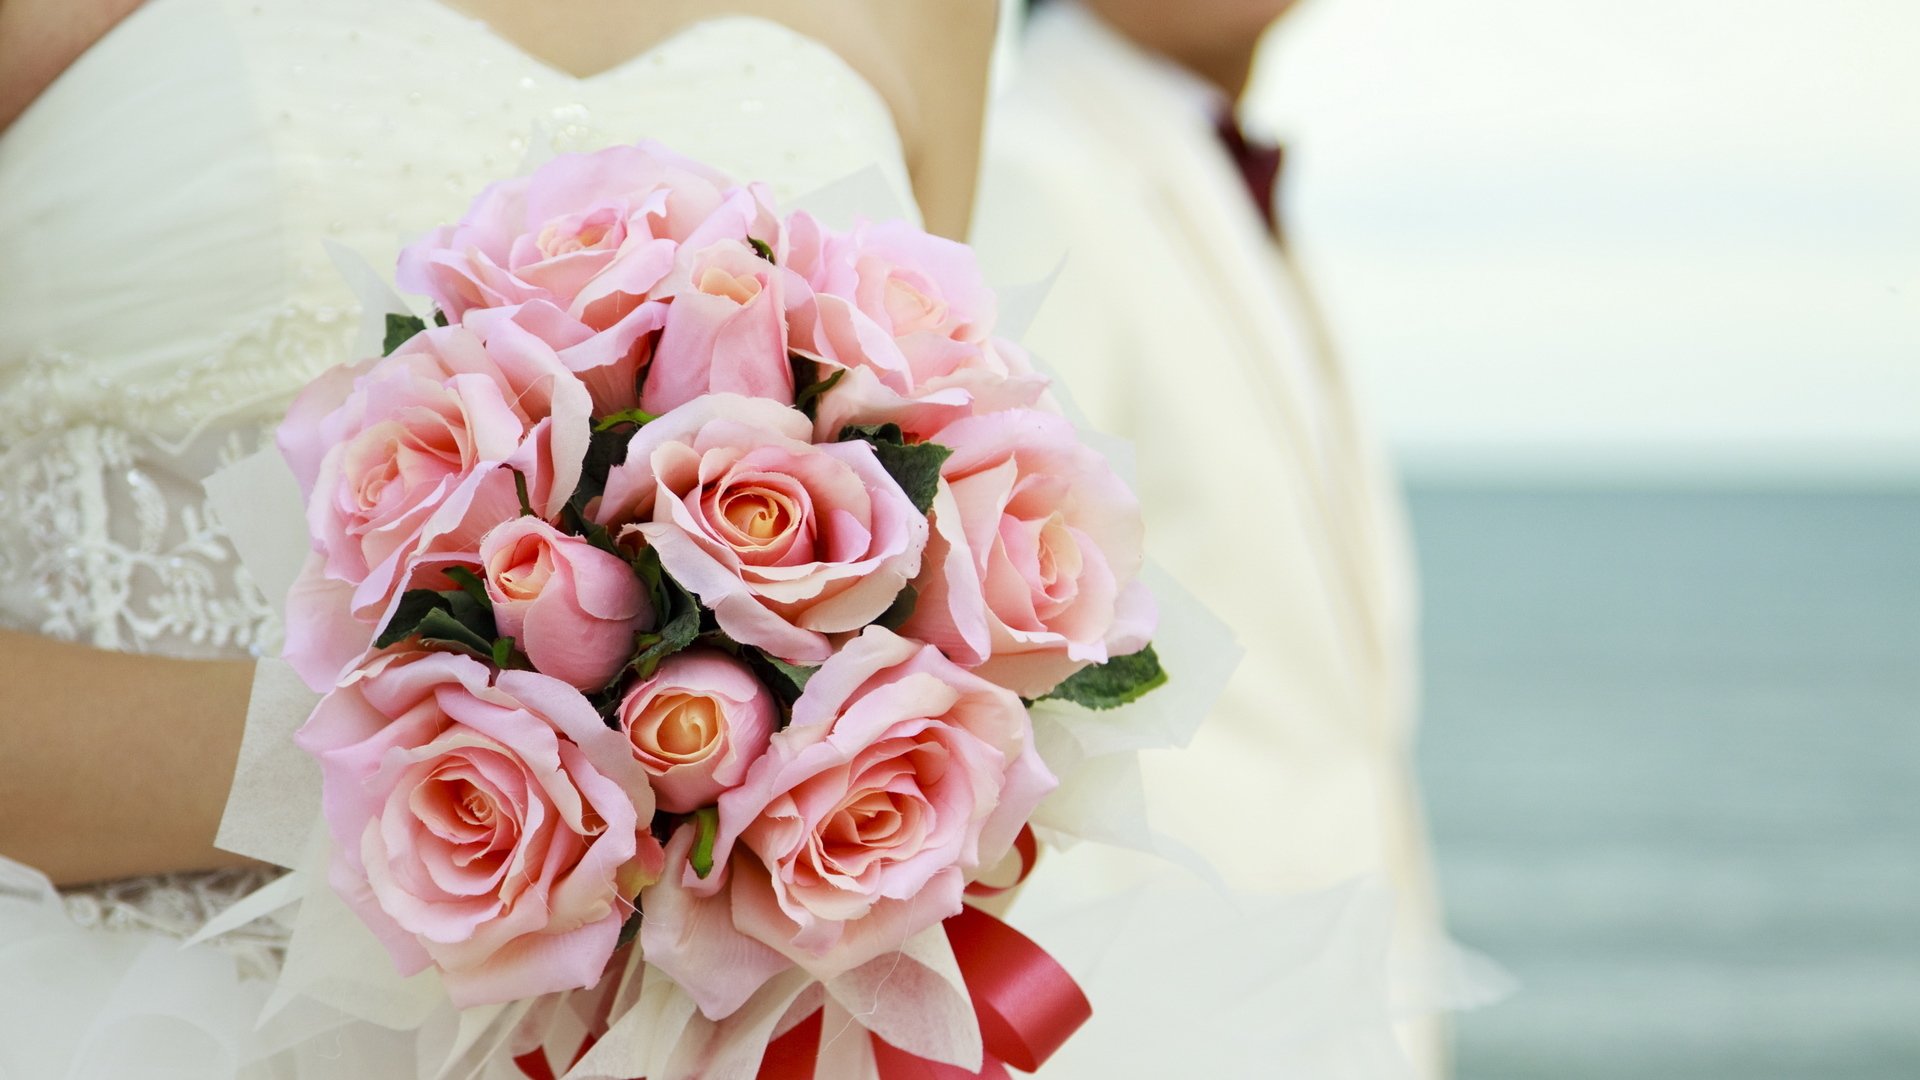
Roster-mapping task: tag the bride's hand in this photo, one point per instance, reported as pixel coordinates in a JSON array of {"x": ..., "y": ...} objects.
[{"x": 114, "y": 764}]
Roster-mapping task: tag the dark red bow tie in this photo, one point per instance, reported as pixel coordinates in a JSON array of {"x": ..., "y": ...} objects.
[{"x": 1259, "y": 164}]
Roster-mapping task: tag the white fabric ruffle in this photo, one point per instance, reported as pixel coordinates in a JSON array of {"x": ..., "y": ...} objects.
[{"x": 79, "y": 1002}]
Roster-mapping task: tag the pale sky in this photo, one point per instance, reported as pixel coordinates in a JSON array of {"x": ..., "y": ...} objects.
[{"x": 1664, "y": 237}]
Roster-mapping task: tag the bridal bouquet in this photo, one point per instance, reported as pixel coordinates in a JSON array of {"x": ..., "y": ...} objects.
[{"x": 678, "y": 594}]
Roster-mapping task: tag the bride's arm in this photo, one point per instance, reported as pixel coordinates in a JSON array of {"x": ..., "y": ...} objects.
[
  {"x": 39, "y": 38},
  {"x": 941, "y": 54},
  {"x": 930, "y": 60},
  {"x": 113, "y": 764}
]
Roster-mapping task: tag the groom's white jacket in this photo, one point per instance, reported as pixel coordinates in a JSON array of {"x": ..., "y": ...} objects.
[{"x": 1178, "y": 323}]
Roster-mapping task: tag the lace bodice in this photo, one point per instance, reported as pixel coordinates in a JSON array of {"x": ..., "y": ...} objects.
[{"x": 168, "y": 206}]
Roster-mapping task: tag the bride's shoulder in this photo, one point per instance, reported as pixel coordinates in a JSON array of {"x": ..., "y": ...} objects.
[
  {"x": 930, "y": 61},
  {"x": 39, "y": 39}
]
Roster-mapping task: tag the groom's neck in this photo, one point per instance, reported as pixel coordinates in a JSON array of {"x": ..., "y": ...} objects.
[{"x": 1214, "y": 39}]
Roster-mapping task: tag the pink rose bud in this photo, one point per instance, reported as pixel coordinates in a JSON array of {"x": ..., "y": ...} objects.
[
  {"x": 696, "y": 726},
  {"x": 571, "y": 607}
]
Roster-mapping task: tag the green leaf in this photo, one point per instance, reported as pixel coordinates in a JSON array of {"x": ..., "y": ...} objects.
[
  {"x": 596, "y": 534},
  {"x": 605, "y": 449},
  {"x": 400, "y": 328},
  {"x": 679, "y": 627},
  {"x": 470, "y": 584},
  {"x": 474, "y": 613},
  {"x": 653, "y": 576},
  {"x": 873, "y": 433},
  {"x": 761, "y": 248},
  {"x": 452, "y": 620},
  {"x": 414, "y": 605},
  {"x": 520, "y": 492},
  {"x": 901, "y": 609},
  {"x": 795, "y": 675},
  {"x": 1114, "y": 683},
  {"x": 636, "y": 417},
  {"x": 628, "y": 931},
  {"x": 806, "y": 395},
  {"x": 503, "y": 652},
  {"x": 707, "y": 821},
  {"x": 440, "y": 629},
  {"x": 439, "y": 317},
  {"x": 914, "y": 466}
]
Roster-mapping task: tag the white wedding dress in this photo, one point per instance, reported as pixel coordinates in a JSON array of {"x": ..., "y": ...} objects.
[{"x": 168, "y": 207}]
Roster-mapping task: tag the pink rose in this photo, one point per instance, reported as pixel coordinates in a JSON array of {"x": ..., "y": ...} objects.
[
  {"x": 726, "y": 330},
  {"x": 608, "y": 362},
  {"x": 696, "y": 726},
  {"x": 786, "y": 541},
  {"x": 1033, "y": 569},
  {"x": 407, "y": 461},
  {"x": 571, "y": 607},
  {"x": 586, "y": 239},
  {"x": 900, "y": 775},
  {"x": 487, "y": 824},
  {"x": 909, "y": 319},
  {"x": 588, "y": 233}
]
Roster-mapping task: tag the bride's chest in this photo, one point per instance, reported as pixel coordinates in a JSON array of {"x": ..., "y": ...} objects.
[{"x": 198, "y": 163}]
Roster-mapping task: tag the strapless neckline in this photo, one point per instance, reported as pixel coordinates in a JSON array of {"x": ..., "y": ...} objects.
[
  {"x": 508, "y": 43},
  {"x": 488, "y": 37}
]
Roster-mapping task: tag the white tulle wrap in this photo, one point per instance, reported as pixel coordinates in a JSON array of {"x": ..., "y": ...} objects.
[{"x": 914, "y": 998}]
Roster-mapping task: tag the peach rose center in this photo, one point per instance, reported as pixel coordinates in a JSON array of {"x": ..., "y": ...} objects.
[
  {"x": 389, "y": 459},
  {"x": 739, "y": 288},
  {"x": 678, "y": 729},
  {"x": 527, "y": 568},
  {"x": 759, "y": 516},
  {"x": 456, "y": 803},
  {"x": 762, "y": 518},
  {"x": 882, "y": 817},
  {"x": 1060, "y": 562},
  {"x": 909, "y": 308},
  {"x": 563, "y": 238}
]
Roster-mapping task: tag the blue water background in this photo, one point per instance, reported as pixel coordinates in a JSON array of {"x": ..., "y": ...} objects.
[{"x": 1672, "y": 757}]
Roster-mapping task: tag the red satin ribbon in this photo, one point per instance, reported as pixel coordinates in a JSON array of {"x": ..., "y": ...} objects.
[{"x": 1027, "y": 1005}]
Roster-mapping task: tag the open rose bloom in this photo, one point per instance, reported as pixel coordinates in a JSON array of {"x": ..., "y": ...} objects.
[{"x": 678, "y": 593}]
